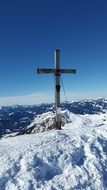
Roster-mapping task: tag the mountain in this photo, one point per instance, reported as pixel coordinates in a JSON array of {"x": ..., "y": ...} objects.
[
  {"x": 88, "y": 106},
  {"x": 17, "y": 118},
  {"x": 70, "y": 159}
]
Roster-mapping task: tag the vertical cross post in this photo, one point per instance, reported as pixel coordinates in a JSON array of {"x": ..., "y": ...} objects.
[
  {"x": 57, "y": 72},
  {"x": 57, "y": 88}
]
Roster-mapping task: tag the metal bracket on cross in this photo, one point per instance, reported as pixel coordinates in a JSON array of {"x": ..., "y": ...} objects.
[{"x": 57, "y": 72}]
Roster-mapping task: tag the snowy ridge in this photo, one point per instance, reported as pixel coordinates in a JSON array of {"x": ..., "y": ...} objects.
[
  {"x": 46, "y": 121},
  {"x": 70, "y": 159}
]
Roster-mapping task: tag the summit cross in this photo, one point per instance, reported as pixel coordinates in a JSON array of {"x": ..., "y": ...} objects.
[{"x": 57, "y": 73}]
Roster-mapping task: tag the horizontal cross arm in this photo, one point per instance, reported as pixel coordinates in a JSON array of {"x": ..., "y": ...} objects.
[
  {"x": 67, "y": 71},
  {"x": 55, "y": 71},
  {"x": 44, "y": 70}
]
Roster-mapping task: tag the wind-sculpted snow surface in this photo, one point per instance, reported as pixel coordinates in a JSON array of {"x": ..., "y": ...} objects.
[{"x": 70, "y": 159}]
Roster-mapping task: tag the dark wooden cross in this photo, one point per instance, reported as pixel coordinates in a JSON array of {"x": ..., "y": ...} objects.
[{"x": 57, "y": 72}]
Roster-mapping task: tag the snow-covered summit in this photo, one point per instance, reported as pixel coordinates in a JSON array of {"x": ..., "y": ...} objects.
[
  {"x": 46, "y": 121},
  {"x": 69, "y": 159}
]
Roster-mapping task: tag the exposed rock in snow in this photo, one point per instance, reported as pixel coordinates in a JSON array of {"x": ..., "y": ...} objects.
[{"x": 45, "y": 122}]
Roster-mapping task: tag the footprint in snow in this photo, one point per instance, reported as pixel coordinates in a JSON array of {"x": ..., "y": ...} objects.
[
  {"x": 43, "y": 171},
  {"x": 78, "y": 156}
]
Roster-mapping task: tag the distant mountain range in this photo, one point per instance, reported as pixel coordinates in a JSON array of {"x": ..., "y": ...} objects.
[{"x": 15, "y": 118}]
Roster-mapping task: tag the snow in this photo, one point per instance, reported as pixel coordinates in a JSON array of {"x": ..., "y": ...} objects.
[
  {"x": 11, "y": 113},
  {"x": 69, "y": 159}
]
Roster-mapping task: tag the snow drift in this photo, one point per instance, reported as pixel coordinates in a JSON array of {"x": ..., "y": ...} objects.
[{"x": 70, "y": 159}]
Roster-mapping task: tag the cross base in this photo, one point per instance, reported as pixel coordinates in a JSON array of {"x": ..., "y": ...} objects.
[{"x": 58, "y": 125}]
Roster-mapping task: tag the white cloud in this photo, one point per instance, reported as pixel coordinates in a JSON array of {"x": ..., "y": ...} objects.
[
  {"x": 36, "y": 98},
  {"x": 46, "y": 97}
]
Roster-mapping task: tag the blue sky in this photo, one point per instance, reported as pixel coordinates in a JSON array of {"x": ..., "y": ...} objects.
[{"x": 31, "y": 30}]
